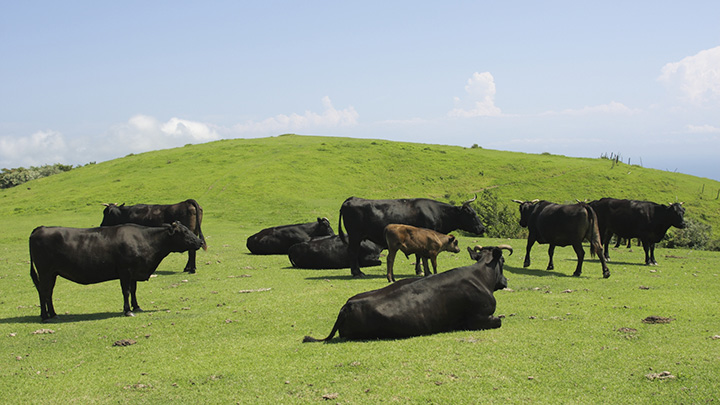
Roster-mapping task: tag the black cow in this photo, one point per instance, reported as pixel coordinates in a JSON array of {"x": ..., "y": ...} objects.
[
  {"x": 562, "y": 225},
  {"x": 128, "y": 252},
  {"x": 277, "y": 240},
  {"x": 329, "y": 252},
  {"x": 188, "y": 213},
  {"x": 644, "y": 220},
  {"x": 458, "y": 299},
  {"x": 367, "y": 219}
]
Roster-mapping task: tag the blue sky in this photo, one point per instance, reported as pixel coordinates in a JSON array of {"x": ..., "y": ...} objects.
[{"x": 84, "y": 81}]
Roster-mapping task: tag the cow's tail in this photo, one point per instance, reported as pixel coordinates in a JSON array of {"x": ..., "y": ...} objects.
[
  {"x": 340, "y": 229},
  {"x": 34, "y": 274},
  {"x": 198, "y": 221},
  {"x": 338, "y": 323},
  {"x": 596, "y": 247}
]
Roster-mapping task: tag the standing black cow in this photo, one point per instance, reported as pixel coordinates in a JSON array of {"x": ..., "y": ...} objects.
[
  {"x": 458, "y": 299},
  {"x": 127, "y": 252},
  {"x": 367, "y": 219},
  {"x": 644, "y": 220},
  {"x": 562, "y": 225},
  {"x": 277, "y": 240},
  {"x": 188, "y": 213},
  {"x": 329, "y": 252}
]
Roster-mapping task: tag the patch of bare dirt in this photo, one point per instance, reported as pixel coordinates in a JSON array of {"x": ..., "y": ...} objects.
[
  {"x": 657, "y": 319},
  {"x": 124, "y": 342},
  {"x": 665, "y": 375}
]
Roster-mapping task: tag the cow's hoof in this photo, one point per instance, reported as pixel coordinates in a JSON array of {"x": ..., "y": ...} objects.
[
  {"x": 358, "y": 275},
  {"x": 129, "y": 313},
  {"x": 606, "y": 274},
  {"x": 550, "y": 268},
  {"x": 137, "y": 309},
  {"x": 577, "y": 274},
  {"x": 526, "y": 264},
  {"x": 191, "y": 271}
]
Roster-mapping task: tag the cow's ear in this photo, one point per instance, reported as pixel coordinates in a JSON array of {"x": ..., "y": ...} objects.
[
  {"x": 452, "y": 238},
  {"x": 497, "y": 253},
  {"x": 174, "y": 227}
]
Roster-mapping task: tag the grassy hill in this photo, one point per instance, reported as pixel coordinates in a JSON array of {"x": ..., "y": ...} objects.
[
  {"x": 289, "y": 178},
  {"x": 232, "y": 332}
]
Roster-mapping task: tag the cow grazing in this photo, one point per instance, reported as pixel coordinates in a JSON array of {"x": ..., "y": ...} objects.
[
  {"x": 329, "y": 252},
  {"x": 188, "y": 213},
  {"x": 562, "y": 225},
  {"x": 458, "y": 299},
  {"x": 128, "y": 252},
  {"x": 277, "y": 240},
  {"x": 367, "y": 219},
  {"x": 423, "y": 243},
  {"x": 645, "y": 220}
]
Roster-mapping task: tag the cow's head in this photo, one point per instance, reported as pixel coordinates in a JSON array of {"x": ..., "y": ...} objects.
[
  {"x": 323, "y": 228},
  {"x": 526, "y": 210},
  {"x": 677, "y": 213},
  {"x": 492, "y": 260},
  {"x": 452, "y": 245},
  {"x": 469, "y": 219},
  {"x": 112, "y": 214},
  {"x": 182, "y": 238}
]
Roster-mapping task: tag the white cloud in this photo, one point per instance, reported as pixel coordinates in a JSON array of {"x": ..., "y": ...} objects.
[
  {"x": 143, "y": 133},
  {"x": 696, "y": 77},
  {"x": 479, "y": 100},
  {"x": 702, "y": 129},
  {"x": 309, "y": 121},
  {"x": 42, "y": 147},
  {"x": 611, "y": 108}
]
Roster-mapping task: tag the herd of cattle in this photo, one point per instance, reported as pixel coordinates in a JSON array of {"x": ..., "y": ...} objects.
[{"x": 132, "y": 241}]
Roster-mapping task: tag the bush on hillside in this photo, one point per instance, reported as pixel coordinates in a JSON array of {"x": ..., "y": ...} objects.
[
  {"x": 14, "y": 177},
  {"x": 696, "y": 235},
  {"x": 500, "y": 219}
]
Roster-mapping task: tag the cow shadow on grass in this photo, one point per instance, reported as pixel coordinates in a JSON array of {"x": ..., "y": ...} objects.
[
  {"x": 68, "y": 318},
  {"x": 349, "y": 277},
  {"x": 529, "y": 271}
]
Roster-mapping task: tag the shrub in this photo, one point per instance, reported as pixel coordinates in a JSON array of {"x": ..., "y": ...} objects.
[
  {"x": 14, "y": 177},
  {"x": 696, "y": 235},
  {"x": 500, "y": 220}
]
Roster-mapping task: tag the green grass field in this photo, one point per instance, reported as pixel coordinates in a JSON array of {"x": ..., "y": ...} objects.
[{"x": 232, "y": 332}]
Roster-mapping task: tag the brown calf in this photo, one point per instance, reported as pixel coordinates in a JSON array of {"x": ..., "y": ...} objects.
[{"x": 423, "y": 243}]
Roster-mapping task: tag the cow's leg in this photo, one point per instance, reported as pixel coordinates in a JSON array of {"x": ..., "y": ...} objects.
[
  {"x": 551, "y": 253},
  {"x": 49, "y": 301},
  {"x": 425, "y": 266},
  {"x": 390, "y": 263},
  {"x": 190, "y": 267},
  {"x": 530, "y": 243},
  {"x": 133, "y": 297},
  {"x": 649, "y": 252},
  {"x": 125, "y": 286},
  {"x": 418, "y": 269},
  {"x": 580, "y": 252},
  {"x": 354, "y": 250},
  {"x": 45, "y": 291},
  {"x": 433, "y": 260},
  {"x": 652, "y": 254},
  {"x": 481, "y": 322},
  {"x": 606, "y": 243}
]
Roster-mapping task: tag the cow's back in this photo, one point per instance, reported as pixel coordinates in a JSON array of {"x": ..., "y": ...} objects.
[
  {"x": 413, "y": 307},
  {"x": 368, "y": 218}
]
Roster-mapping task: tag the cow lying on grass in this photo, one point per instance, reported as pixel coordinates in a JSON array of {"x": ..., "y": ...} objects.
[
  {"x": 278, "y": 239},
  {"x": 423, "y": 243},
  {"x": 329, "y": 252},
  {"x": 458, "y": 299},
  {"x": 129, "y": 252}
]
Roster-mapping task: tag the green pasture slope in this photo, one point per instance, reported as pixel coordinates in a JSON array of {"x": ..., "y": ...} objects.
[{"x": 231, "y": 333}]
